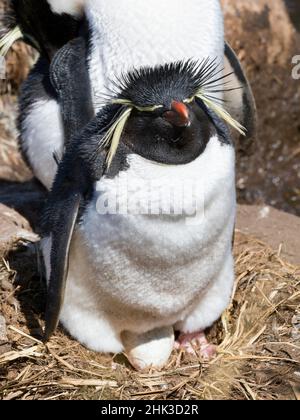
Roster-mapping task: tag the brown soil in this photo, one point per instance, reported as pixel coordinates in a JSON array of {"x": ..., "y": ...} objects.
[{"x": 265, "y": 33}]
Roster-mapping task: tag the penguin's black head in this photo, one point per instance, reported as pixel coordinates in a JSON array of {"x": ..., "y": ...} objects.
[{"x": 169, "y": 120}]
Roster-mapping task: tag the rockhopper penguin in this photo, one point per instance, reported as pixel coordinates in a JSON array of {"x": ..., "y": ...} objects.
[
  {"x": 131, "y": 279},
  {"x": 129, "y": 261}
]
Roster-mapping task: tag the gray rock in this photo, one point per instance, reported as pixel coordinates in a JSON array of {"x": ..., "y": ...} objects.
[
  {"x": 276, "y": 228},
  {"x": 13, "y": 229}
]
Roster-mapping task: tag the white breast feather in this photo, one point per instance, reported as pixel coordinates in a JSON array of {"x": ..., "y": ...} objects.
[
  {"x": 42, "y": 135},
  {"x": 152, "y": 269}
]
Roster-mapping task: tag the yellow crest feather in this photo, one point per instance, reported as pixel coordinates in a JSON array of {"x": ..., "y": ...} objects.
[
  {"x": 222, "y": 113},
  {"x": 116, "y": 133}
]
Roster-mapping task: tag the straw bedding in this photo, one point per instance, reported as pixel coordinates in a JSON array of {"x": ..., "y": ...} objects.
[{"x": 258, "y": 341}]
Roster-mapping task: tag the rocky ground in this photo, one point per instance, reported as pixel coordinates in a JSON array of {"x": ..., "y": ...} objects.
[{"x": 259, "y": 336}]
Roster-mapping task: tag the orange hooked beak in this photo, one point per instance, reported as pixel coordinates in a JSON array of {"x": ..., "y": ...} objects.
[{"x": 179, "y": 115}]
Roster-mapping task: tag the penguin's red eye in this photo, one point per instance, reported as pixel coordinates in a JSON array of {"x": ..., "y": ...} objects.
[{"x": 179, "y": 115}]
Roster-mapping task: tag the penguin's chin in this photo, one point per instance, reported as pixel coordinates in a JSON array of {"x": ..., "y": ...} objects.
[{"x": 157, "y": 140}]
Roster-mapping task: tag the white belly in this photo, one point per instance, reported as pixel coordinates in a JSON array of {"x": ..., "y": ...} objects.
[
  {"x": 130, "y": 34},
  {"x": 155, "y": 267},
  {"x": 42, "y": 136}
]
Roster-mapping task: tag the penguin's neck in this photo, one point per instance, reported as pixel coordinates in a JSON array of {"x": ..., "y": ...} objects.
[{"x": 125, "y": 35}]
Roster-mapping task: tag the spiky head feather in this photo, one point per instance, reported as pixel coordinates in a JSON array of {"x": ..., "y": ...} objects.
[{"x": 149, "y": 89}]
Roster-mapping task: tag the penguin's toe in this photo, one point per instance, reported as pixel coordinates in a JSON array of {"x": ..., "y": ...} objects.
[{"x": 196, "y": 344}]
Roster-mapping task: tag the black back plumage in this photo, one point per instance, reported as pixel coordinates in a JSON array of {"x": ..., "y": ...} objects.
[{"x": 43, "y": 29}]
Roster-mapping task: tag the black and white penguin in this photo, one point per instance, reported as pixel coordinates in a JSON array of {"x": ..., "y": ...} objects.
[
  {"x": 120, "y": 36},
  {"x": 47, "y": 26},
  {"x": 139, "y": 224},
  {"x": 145, "y": 274}
]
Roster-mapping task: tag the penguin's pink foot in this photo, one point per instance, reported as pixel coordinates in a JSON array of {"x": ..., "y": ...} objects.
[{"x": 196, "y": 343}]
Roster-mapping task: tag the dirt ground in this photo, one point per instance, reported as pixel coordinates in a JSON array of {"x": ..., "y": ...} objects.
[{"x": 265, "y": 33}]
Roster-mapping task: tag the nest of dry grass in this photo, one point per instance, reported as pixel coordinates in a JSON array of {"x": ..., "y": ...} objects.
[{"x": 258, "y": 338}]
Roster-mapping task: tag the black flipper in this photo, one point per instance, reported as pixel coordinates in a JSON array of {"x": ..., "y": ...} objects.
[
  {"x": 61, "y": 235},
  {"x": 240, "y": 103},
  {"x": 70, "y": 79}
]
